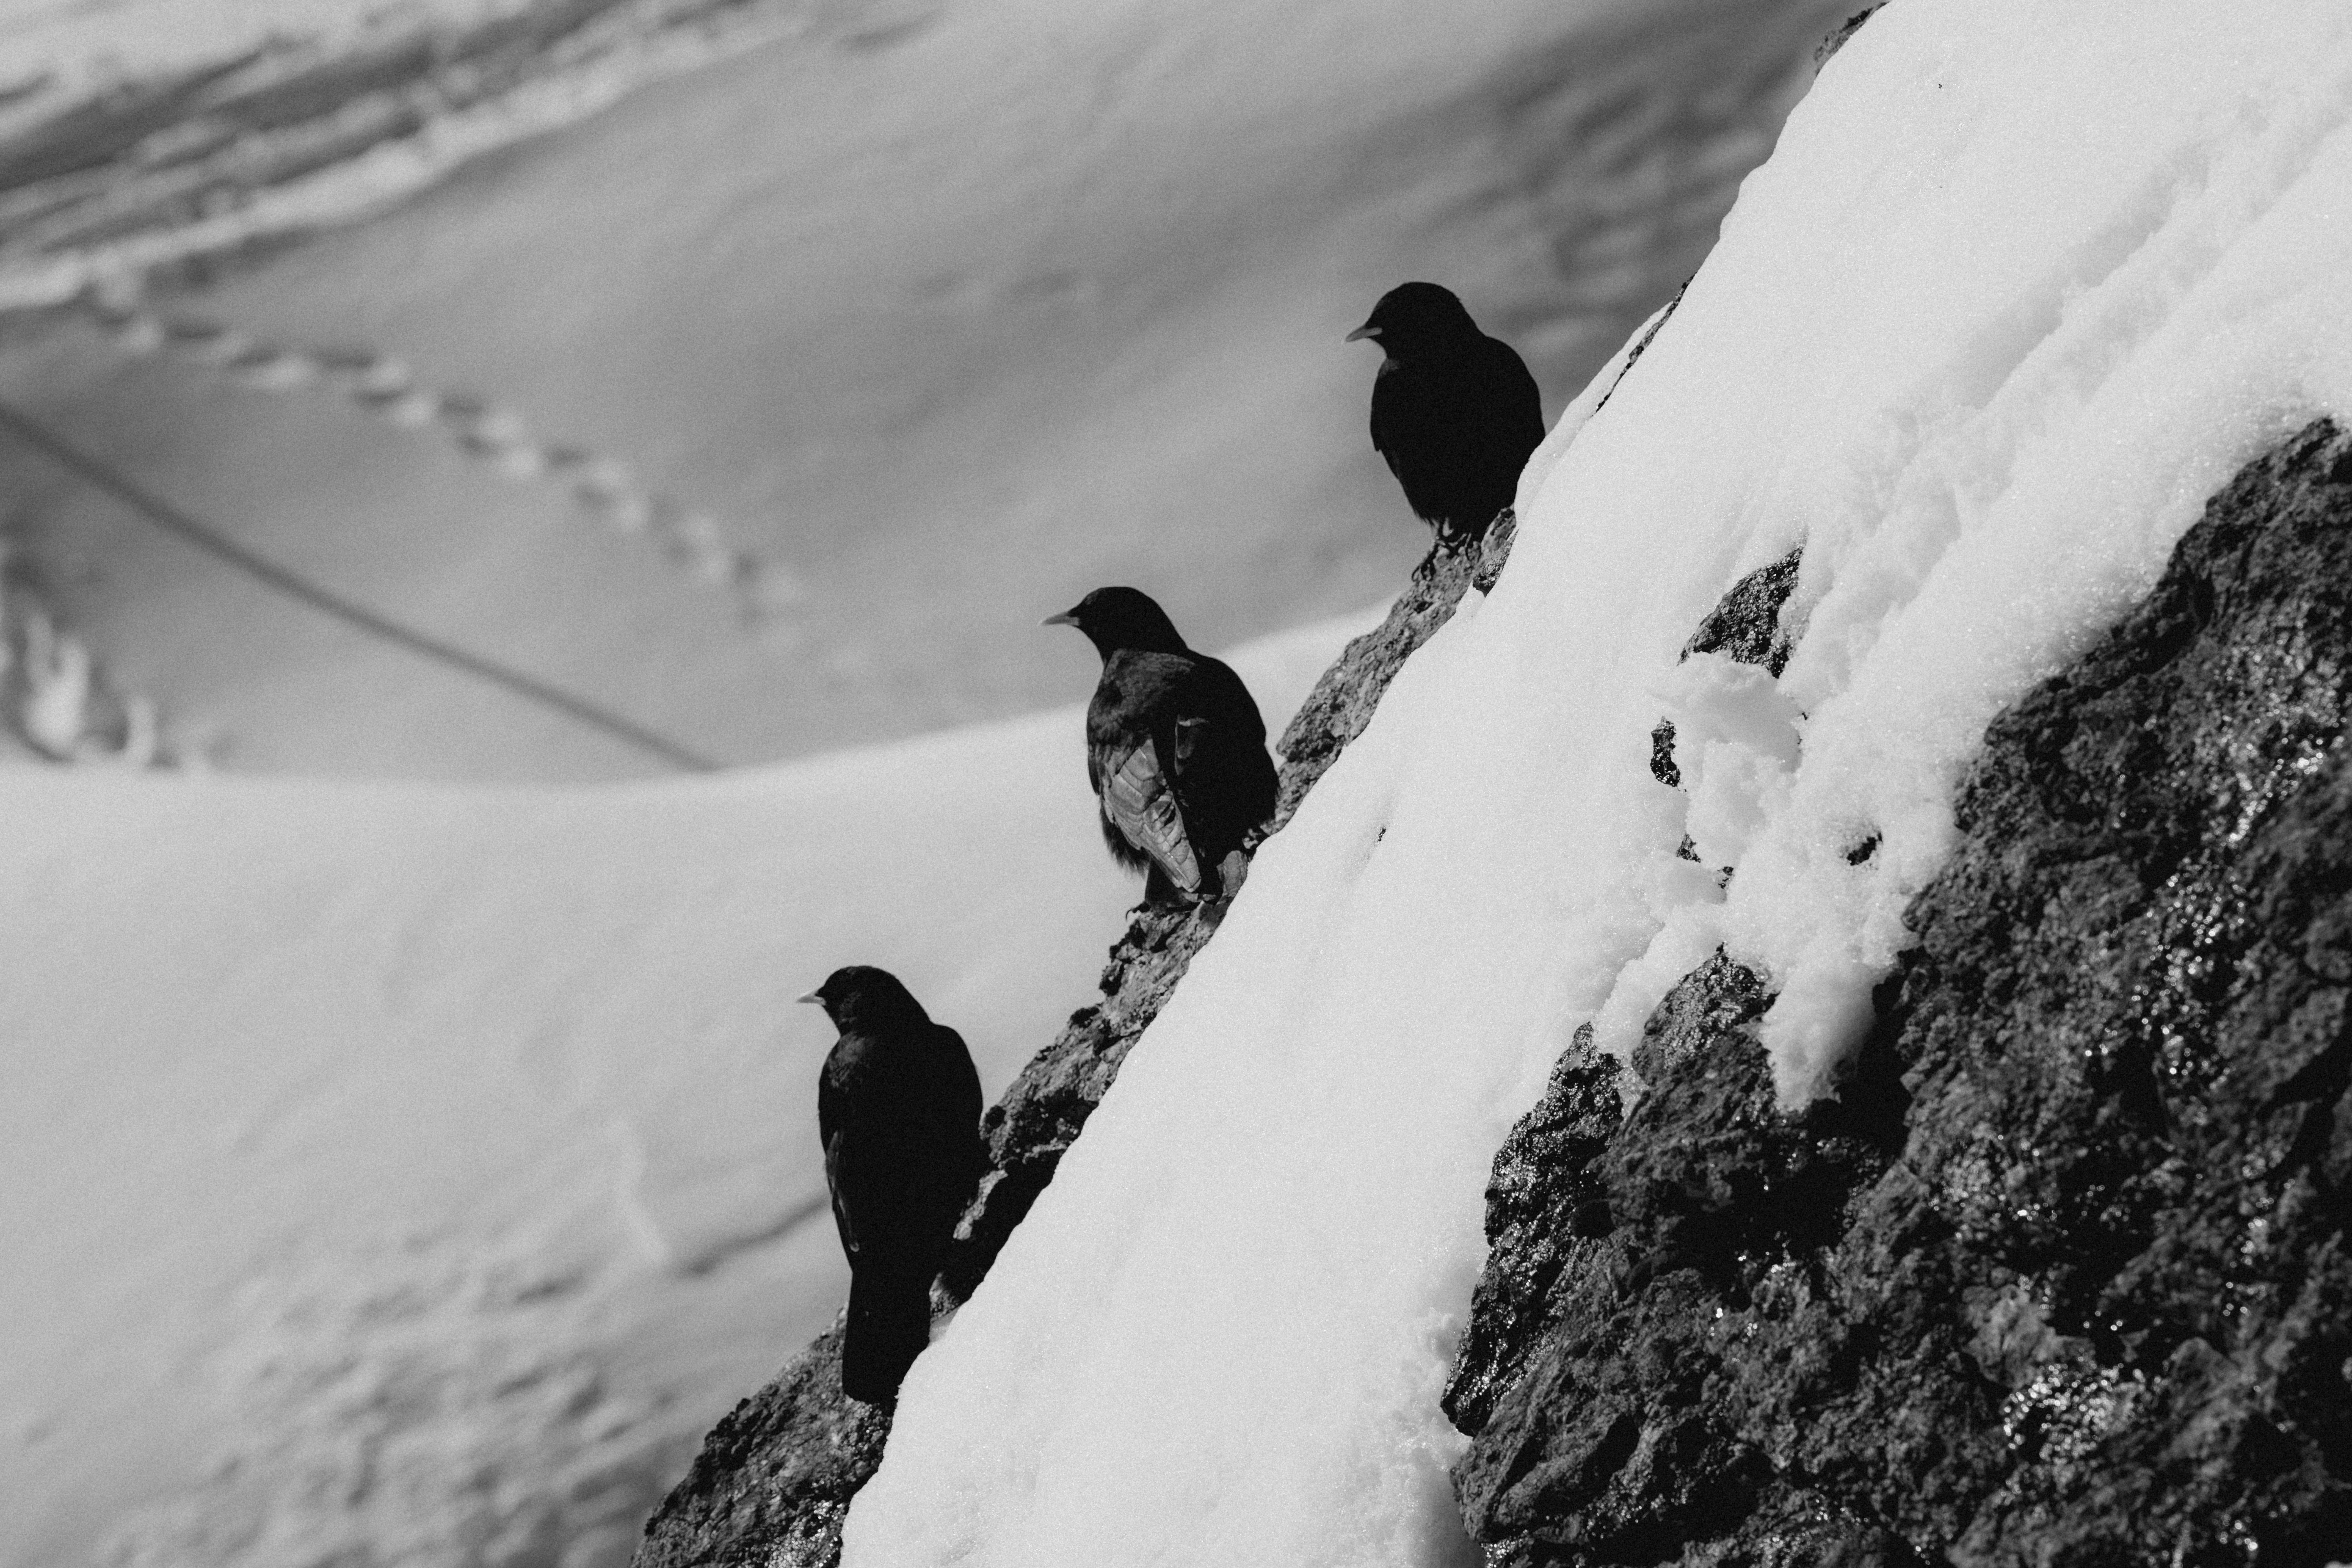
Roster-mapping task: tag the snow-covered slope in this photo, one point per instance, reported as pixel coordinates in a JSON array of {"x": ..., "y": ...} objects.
[
  {"x": 948, "y": 311},
  {"x": 414, "y": 1173},
  {"x": 2023, "y": 284},
  {"x": 66, "y": 50}
]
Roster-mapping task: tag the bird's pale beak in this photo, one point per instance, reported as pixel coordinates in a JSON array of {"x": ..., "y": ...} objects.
[
  {"x": 1366, "y": 331},
  {"x": 1066, "y": 619},
  {"x": 812, "y": 997}
]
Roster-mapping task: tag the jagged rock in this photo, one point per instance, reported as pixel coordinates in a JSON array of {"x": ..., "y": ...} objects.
[
  {"x": 1745, "y": 623},
  {"x": 2061, "y": 1278},
  {"x": 774, "y": 1478},
  {"x": 1042, "y": 1112},
  {"x": 1615, "y": 1235},
  {"x": 1341, "y": 704}
]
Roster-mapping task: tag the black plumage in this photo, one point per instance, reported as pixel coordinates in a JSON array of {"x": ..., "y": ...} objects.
[
  {"x": 1175, "y": 752},
  {"x": 899, "y": 1108},
  {"x": 1454, "y": 411}
]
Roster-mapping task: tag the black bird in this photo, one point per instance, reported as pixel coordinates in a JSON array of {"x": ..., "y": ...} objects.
[
  {"x": 1454, "y": 411},
  {"x": 899, "y": 1108},
  {"x": 1175, "y": 752}
]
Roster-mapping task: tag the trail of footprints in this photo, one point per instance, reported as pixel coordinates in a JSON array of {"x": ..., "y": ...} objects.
[
  {"x": 485, "y": 431},
  {"x": 56, "y": 700}
]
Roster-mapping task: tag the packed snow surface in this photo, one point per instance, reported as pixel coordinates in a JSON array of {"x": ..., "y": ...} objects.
[
  {"x": 945, "y": 310},
  {"x": 2022, "y": 286},
  {"x": 72, "y": 47},
  {"x": 401, "y": 1175}
]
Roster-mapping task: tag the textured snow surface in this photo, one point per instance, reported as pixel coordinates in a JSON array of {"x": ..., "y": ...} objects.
[
  {"x": 410, "y": 1176},
  {"x": 946, "y": 310},
  {"x": 2023, "y": 284},
  {"x": 74, "y": 44}
]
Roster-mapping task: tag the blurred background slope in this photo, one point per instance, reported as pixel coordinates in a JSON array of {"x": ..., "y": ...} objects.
[{"x": 763, "y": 372}]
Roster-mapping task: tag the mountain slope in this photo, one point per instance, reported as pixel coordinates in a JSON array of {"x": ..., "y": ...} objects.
[
  {"x": 404, "y": 1171},
  {"x": 1983, "y": 336},
  {"x": 947, "y": 312}
]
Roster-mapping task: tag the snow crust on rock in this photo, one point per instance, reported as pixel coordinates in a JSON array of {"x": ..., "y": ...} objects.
[
  {"x": 410, "y": 1175},
  {"x": 2022, "y": 286}
]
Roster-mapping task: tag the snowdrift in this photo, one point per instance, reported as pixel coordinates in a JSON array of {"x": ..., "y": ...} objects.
[
  {"x": 2022, "y": 286},
  {"x": 413, "y": 1173}
]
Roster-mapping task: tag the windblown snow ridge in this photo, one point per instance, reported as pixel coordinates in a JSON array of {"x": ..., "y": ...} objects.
[{"x": 287, "y": 134}]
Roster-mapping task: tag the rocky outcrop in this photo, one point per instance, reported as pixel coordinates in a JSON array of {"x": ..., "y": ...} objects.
[
  {"x": 774, "y": 1478},
  {"x": 2058, "y": 1277},
  {"x": 2061, "y": 1276},
  {"x": 1341, "y": 704}
]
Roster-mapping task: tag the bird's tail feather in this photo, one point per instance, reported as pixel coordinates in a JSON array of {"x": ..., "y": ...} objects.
[
  {"x": 1137, "y": 796},
  {"x": 889, "y": 1324}
]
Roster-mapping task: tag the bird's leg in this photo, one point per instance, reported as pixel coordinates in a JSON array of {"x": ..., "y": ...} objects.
[{"x": 1442, "y": 542}]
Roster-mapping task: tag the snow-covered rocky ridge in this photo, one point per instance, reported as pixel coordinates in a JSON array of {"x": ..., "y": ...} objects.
[
  {"x": 2022, "y": 288},
  {"x": 2058, "y": 1275},
  {"x": 408, "y": 1175},
  {"x": 774, "y": 1480}
]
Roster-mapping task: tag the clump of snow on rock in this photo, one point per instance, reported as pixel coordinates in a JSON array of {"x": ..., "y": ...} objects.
[{"x": 2022, "y": 285}]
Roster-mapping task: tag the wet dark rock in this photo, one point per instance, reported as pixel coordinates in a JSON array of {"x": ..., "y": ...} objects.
[
  {"x": 2061, "y": 1276},
  {"x": 774, "y": 1478}
]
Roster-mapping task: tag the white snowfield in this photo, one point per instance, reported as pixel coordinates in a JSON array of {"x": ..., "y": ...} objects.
[
  {"x": 410, "y": 1176},
  {"x": 2020, "y": 288},
  {"x": 946, "y": 310}
]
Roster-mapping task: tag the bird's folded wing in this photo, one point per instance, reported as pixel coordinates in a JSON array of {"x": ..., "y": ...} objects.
[
  {"x": 835, "y": 1175},
  {"x": 1141, "y": 804}
]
